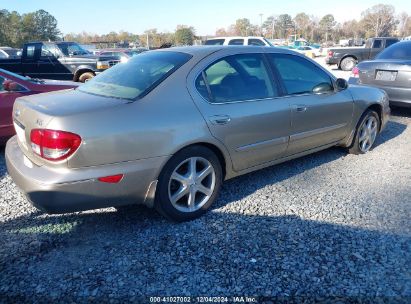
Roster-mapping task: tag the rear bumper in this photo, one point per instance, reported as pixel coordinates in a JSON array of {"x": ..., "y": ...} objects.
[
  {"x": 68, "y": 190},
  {"x": 331, "y": 60}
]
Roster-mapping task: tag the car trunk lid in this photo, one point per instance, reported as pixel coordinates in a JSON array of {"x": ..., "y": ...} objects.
[
  {"x": 391, "y": 73},
  {"x": 37, "y": 111}
]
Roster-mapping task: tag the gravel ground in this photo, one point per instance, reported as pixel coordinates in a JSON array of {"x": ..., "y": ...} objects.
[{"x": 326, "y": 225}]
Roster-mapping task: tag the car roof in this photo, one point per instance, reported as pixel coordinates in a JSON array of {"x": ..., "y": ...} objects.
[
  {"x": 237, "y": 37},
  {"x": 205, "y": 50}
]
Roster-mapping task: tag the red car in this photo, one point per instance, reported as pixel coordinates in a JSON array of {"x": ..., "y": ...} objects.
[{"x": 13, "y": 86}]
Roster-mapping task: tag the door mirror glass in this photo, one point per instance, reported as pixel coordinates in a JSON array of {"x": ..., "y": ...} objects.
[
  {"x": 323, "y": 87},
  {"x": 341, "y": 83}
]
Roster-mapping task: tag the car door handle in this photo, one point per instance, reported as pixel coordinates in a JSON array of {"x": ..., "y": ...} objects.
[
  {"x": 300, "y": 108},
  {"x": 220, "y": 119}
]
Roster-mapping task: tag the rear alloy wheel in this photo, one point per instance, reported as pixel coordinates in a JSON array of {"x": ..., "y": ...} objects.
[
  {"x": 366, "y": 133},
  {"x": 189, "y": 184},
  {"x": 347, "y": 64}
]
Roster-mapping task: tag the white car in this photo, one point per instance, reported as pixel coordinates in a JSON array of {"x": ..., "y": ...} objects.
[
  {"x": 309, "y": 51},
  {"x": 258, "y": 41}
]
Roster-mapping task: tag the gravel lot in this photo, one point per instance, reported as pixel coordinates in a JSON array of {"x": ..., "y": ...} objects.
[{"x": 326, "y": 225}]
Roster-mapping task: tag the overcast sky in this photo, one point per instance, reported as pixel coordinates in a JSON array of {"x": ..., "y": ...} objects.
[{"x": 204, "y": 15}]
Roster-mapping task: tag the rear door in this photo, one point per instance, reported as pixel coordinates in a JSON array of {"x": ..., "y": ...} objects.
[
  {"x": 240, "y": 104},
  {"x": 30, "y": 59},
  {"x": 320, "y": 114}
]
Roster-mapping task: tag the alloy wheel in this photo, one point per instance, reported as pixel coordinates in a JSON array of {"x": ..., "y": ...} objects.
[
  {"x": 368, "y": 133},
  {"x": 191, "y": 184}
]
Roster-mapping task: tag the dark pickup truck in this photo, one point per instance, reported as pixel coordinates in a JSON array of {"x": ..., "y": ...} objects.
[
  {"x": 347, "y": 57},
  {"x": 58, "y": 60}
]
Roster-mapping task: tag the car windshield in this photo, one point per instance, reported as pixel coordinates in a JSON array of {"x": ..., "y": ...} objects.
[
  {"x": 137, "y": 77},
  {"x": 400, "y": 51},
  {"x": 72, "y": 48}
]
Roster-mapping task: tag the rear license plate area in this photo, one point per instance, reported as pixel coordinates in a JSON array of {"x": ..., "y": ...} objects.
[{"x": 386, "y": 75}]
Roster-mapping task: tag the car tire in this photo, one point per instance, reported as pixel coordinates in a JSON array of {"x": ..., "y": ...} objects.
[
  {"x": 183, "y": 194},
  {"x": 348, "y": 63},
  {"x": 85, "y": 76},
  {"x": 365, "y": 133}
]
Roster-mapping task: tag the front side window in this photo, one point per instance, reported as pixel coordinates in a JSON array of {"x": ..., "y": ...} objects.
[
  {"x": 236, "y": 42},
  {"x": 401, "y": 51},
  {"x": 1, "y": 84},
  {"x": 214, "y": 42},
  {"x": 390, "y": 42},
  {"x": 301, "y": 76},
  {"x": 257, "y": 42},
  {"x": 72, "y": 49},
  {"x": 236, "y": 78},
  {"x": 136, "y": 78},
  {"x": 48, "y": 50}
]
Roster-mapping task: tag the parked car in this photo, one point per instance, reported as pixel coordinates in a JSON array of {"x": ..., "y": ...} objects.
[
  {"x": 58, "y": 60},
  {"x": 257, "y": 41},
  {"x": 169, "y": 126},
  {"x": 346, "y": 58},
  {"x": 390, "y": 71},
  {"x": 13, "y": 86},
  {"x": 8, "y": 52},
  {"x": 309, "y": 51},
  {"x": 121, "y": 54}
]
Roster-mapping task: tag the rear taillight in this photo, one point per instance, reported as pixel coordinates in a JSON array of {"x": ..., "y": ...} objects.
[
  {"x": 355, "y": 72},
  {"x": 330, "y": 53},
  {"x": 54, "y": 145}
]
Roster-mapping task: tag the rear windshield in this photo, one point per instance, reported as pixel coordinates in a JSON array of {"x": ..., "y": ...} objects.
[
  {"x": 137, "y": 77},
  {"x": 214, "y": 42},
  {"x": 401, "y": 50}
]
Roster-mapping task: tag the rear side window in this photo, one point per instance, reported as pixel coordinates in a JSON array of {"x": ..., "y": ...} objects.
[
  {"x": 257, "y": 42},
  {"x": 236, "y": 78},
  {"x": 214, "y": 42},
  {"x": 139, "y": 76},
  {"x": 30, "y": 51},
  {"x": 301, "y": 76},
  {"x": 236, "y": 42},
  {"x": 377, "y": 44},
  {"x": 2, "y": 55}
]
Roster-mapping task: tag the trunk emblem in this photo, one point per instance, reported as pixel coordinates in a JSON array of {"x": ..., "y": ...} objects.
[
  {"x": 39, "y": 122},
  {"x": 17, "y": 113}
]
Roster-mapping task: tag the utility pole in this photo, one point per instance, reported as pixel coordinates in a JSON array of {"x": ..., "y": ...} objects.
[
  {"x": 148, "y": 45},
  {"x": 261, "y": 24}
]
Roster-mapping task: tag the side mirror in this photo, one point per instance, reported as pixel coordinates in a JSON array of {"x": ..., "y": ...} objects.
[
  {"x": 11, "y": 86},
  {"x": 341, "y": 83},
  {"x": 323, "y": 87}
]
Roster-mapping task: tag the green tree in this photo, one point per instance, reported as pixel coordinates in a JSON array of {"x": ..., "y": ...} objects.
[
  {"x": 327, "y": 24},
  {"x": 302, "y": 24},
  {"x": 284, "y": 24},
  {"x": 379, "y": 20},
  {"x": 184, "y": 35}
]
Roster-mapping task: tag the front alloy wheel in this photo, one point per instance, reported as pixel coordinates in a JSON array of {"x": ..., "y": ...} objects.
[{"x": 368, "y": 133}]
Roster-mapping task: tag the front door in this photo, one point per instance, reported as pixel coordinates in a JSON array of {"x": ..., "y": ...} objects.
[
  {"x": 321, "y": 115},
  {"x": 240, "y": 104}
]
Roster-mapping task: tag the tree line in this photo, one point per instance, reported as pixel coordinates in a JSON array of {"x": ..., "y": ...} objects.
[{"x": 379, "y": 20}]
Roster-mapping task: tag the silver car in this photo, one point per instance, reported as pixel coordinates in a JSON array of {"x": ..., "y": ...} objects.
[
  {"x": 168, "y": 127},
  {"x": 390, "y": 71}
]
